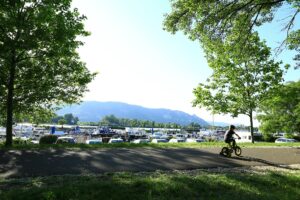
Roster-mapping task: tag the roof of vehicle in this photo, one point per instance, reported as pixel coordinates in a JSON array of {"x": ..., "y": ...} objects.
[{"x": 65, "y": 137}]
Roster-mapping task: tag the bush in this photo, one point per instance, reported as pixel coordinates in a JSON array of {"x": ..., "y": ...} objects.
[
  {"x": 297, "y": 137},
  {"x": 48, "y": 139},
  {"x": 268, "y": 137},
  {"x": 19, "y": 141},
  {"x": 289, "y": 135},
  {"x": 258, "y": 138}
]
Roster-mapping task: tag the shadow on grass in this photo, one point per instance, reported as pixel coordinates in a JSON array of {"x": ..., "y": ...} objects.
[
  {"x": 160, "y": 186},
  {"x": 268, "y": 185}
]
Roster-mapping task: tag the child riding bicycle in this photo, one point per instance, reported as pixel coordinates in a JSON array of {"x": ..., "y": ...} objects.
[{"x": 228, "y": 137}]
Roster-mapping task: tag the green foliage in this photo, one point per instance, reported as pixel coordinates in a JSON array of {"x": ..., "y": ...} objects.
[
  {"x": 68, "y": 119},
  {"x": 37, "y": 116},
  {"x": 19, "y": 141},
  {"x": 268, "y": 137},
  {"x": 48, "y": 139},
  {"x": 220, "y": 20},
  {"x": 219, "y": 184},
  {"x": 56, "y": 119},
  {"x": 240, "y": 81},
  {"x": 289, "y": 135},
  {"x": 243, "y": 70},
  {"x": 210, "y": 143},
  {"x": 62, "y": 121},
  {"x": 293, "y": 42},
  {"x": 193, "y": 127},
  {"x": 88, "y": 123},
  {"x": 39, "y": 63},
  {"x": 113, "y": 121},
  {"x": 280, "y": 112}
]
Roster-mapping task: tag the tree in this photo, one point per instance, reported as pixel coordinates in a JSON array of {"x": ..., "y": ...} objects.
[
  {"x": 62, "y": 122},
  {"x": 110, "y": 120},
  {"x": 193, "y": 127},
  {"x": 56, "y": 118},
  {"x": 240, "y": 81},
  {"x": 219, "y": 19},
  {"x": 281, "y": 111},
  {"x": 39, "y": 65},
  {"x": 70, "y": 119},
  {"x": 37, "y": 116}
]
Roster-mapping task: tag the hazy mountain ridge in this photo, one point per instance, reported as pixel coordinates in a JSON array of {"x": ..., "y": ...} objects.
[{"x": 93, "y": 111}]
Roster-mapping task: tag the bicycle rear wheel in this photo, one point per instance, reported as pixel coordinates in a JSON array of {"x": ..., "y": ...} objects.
[
  {"x": 237, "y": 150},
  {"x": 225, "y": 152}
]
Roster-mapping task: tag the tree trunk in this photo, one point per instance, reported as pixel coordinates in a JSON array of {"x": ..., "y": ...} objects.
[
  {"x": 251, "y": 126},
  {"x": 9, "y": 103}
]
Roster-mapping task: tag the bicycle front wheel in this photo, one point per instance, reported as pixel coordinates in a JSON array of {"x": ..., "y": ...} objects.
[{"x": 238, "y": 151}]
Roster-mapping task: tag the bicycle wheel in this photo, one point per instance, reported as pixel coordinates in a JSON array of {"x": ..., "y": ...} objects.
[
  {"x": 225, "y": 152},
  {"x": 237, "y": 150}
]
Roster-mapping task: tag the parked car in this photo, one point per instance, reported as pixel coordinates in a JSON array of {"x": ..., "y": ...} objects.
[
  {"x": 34, "y": 141},
  {"x": 180, "y": 136},
  {"x": 176, "y": 140},
  {"x": 156, "y": 135},
  {"x": 115, "y": 140},
  {"x": 141, "y": 141},
  {"x": 65, "y": 140},
  {"x": 284, "y": 140},
  {"x": 191, "y": 140},
  {"x": 159, "y": 141},
  {"x": 165, "y": 136},
  {"x": 94, "y": 141}
]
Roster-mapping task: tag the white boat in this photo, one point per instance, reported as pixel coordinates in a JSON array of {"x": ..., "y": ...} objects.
[
  {"x": 94, "y": 141},
  {"x": 115, "y": 140},
  {"x": 2, "y": 132}
]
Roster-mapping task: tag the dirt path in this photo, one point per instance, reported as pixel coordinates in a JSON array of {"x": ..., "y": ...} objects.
[{"x": 30, "y": 163}]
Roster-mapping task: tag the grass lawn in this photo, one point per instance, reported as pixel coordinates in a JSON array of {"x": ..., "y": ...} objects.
[
  {"x": 197, "y": 184},
  {"x": 160, "y": 145}
]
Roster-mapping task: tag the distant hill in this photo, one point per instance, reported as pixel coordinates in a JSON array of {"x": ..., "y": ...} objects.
[{"x": 93, "y": 111}]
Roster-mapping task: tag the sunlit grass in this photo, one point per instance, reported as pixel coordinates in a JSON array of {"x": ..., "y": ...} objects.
[{"x": 157, "y": 185}]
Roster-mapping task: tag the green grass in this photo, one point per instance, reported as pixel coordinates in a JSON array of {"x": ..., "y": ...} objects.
[
  {"x": 160, "y": 145},
  {"x": 157, "y": 185}
]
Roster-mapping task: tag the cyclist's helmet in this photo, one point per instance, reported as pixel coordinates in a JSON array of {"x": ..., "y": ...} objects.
[{"x": 232, "y": 127}]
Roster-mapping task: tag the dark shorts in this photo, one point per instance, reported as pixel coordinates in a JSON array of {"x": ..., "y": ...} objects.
[{"x": 228, "y": 140}]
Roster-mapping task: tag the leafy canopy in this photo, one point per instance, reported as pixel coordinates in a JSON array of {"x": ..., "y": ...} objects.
[
  {"x": 240, "y": 81},
  {"x": 39, "y": 64},
  {"x": 219, "y": 20},
  {"x": 281, "y": 111},
  {"x": 39, "y": 38}
]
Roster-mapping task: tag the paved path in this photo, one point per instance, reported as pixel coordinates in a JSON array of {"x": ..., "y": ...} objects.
[{"x": 28, "y": 163}]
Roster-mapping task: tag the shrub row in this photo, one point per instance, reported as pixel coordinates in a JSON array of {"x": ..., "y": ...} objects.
[{"x": 48, "y": 139}]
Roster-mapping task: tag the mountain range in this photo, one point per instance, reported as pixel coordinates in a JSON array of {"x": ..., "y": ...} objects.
[{"x": 94, "y": 111}]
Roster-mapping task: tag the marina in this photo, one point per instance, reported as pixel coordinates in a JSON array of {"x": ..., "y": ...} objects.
[{"x": 28, "y": 133}]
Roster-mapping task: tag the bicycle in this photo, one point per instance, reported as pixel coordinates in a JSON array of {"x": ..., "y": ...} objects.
[{"x": 229, "y": 149}]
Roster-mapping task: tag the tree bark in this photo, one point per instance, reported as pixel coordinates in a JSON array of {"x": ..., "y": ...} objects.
[
  {"x": 251, "y": 126},
  {"x": 9, "y": 102}
]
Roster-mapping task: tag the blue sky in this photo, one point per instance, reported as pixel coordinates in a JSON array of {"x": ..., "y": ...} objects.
[{"x": 139, "y": 63}]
